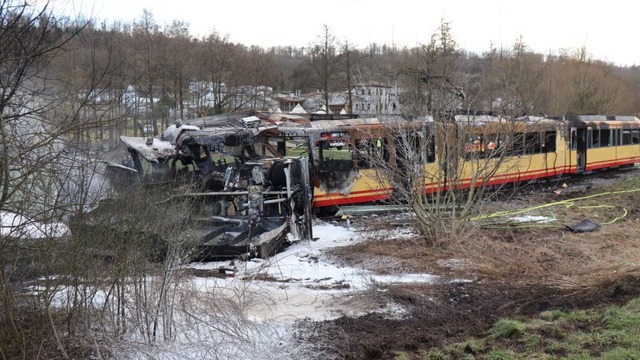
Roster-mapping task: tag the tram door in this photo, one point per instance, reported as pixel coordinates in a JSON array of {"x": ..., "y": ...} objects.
[{"x": 579, "y": 143}]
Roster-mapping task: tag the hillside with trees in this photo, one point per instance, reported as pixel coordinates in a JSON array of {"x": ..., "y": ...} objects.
[{"x": 178, "y": 75}]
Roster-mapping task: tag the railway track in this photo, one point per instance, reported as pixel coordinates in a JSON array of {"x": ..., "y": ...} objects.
[
  {"x": 571, "y": 184},
  {"x": 520, "y": 192}
]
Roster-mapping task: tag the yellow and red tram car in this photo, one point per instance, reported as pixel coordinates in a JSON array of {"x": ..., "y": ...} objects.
[{"x": 514, "y": 150}]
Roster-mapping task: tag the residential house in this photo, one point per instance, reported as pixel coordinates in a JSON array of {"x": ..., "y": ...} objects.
[
  {"x": 289, "y": 102},
  {"x": 374, "y": 98}
]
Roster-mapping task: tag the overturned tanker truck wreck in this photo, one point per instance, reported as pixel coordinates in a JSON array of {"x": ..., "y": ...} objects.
[{"x": 255, "y": 200}]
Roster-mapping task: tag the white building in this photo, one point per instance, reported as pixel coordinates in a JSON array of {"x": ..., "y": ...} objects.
[{"x": 375, "y": 98}]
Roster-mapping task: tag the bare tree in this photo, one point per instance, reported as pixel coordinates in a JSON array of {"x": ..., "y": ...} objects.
[
  {"x": 439, "y": 163},
  {"x": 148, "y": 40},
  {"x": 325, "y": 63},
  {"x": 514, "y": 81},
  {"x": 218, "y": 56},
  {"x": 36, "y": 112},
  {"x": 179, "y": 61},
  {"x": 590, "y": 87},
  {"x": 350, "y": 60}
]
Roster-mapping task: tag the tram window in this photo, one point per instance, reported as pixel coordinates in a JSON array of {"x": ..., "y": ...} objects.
[
  {"x": 549, "y": 144},
  {"x": 630, "y": 136},
  {"x": 605, "y": 137},
  {"x": 476, "y": 147},
  {"x": 491, "y": 144},
  {"x": 407, "y": 147},
  {"x": 486, "y": 145},
  {"x": 362, "y": 153},
  {"x": 335, "y": 151},
  {"x": 614, "y": 137},
  {"x": 589, "y": 138},
  {"x": 626, "y": 137},
  {"x": 431, "y": 149},
  {"x": 369, "y": 152},
  {"x": 382, "y": 148},
  {"x": 596, "y": 138},
  {"x": 415, "y": 148},
  {"x": 619, "y": 139},
  {"x": 517, "y": 146},
  {"x": 532, "y": 143}
]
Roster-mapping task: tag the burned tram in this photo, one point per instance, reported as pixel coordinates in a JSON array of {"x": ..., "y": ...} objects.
[
  {"x": 262, "y": 178},
  {"x": 254, "y": 199}
]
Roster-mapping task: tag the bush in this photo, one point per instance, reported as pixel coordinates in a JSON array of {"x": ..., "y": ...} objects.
[{"x": 508, "y": 328}]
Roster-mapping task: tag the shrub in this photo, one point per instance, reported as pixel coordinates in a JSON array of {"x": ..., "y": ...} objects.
[{"x": 508, "y": 328}]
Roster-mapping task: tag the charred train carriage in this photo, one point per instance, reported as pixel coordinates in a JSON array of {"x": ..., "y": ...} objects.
[
  {"x": 248, "y": 203},
  {"x": 261, "y": 180}
]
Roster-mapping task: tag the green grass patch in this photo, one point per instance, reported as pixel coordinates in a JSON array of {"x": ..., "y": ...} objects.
[
  {"x": 616, "y": 318},
  {"x": 631, "y": 183},
  {"x": 531, "y": 342},
  {"x": 633, "y": 306},
  {"x": 437, "y": 355},
  {"x": 612, "y": 338},
  {"x": 621, "y": 354},
  {"x": 581, "y": 317},
  {"x": 562, "y": 348},
  {"x": 500, "y": 355},
  {"x": 508, "y": 328},
  {"x": 464, "y": 350},
  {"x": 582, "y": 356},
  {"x": 553, "y": 315},
  {"x": 609, "y": 333},
  {"x": 475, "y": 346},
  {"x": 401, "y": 356},
  {"x": 333, "y": 153}
]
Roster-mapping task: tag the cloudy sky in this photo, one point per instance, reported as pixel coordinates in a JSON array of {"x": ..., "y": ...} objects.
[{"x": 606, "y": 29}]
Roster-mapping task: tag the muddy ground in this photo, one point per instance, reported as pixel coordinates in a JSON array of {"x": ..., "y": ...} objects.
[{"x": 492, "y": 272}]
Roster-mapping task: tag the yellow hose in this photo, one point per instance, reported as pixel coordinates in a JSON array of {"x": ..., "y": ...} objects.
[{"x": 568, "y": 203}]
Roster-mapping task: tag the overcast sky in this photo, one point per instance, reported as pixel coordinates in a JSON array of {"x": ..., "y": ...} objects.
[{"x": 608, "y": 30}]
